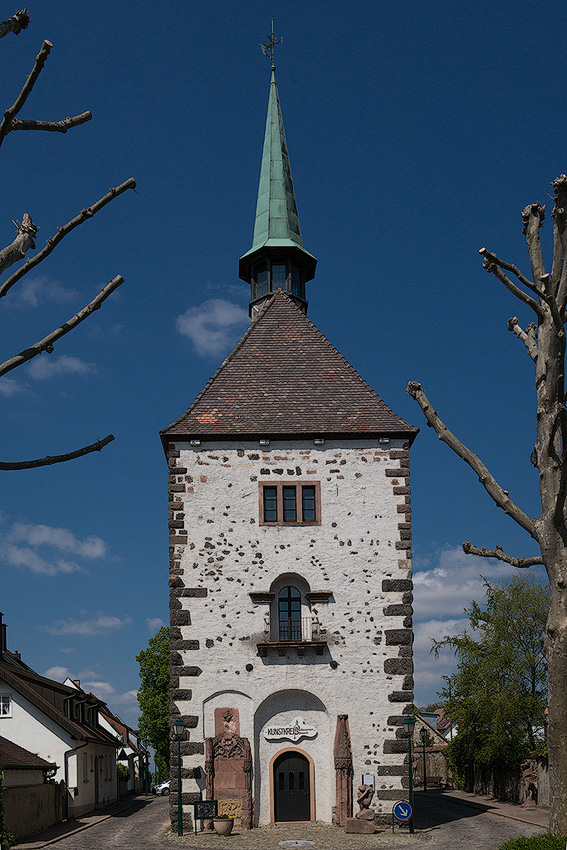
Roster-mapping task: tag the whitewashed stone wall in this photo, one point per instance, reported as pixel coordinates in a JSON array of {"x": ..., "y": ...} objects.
[{"x": 361, "y": 552}]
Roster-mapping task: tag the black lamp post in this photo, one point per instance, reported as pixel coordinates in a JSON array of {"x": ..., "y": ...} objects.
[
  {"x": 179, "y": 729},
  {"x": 409, "y": 726},
  {"x": 423, "y": 735}
]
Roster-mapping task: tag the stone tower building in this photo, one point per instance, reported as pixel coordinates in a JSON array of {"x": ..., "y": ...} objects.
[{"x": 290, "y": 570}]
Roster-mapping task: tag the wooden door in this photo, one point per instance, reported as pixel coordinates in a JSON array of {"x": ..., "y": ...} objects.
[{"x": 292, "y": 793}]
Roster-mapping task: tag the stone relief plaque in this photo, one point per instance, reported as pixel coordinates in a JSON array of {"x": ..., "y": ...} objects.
[{"x": 293, "y": 731}]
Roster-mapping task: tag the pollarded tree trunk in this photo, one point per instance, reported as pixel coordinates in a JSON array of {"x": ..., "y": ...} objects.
[{"x": 546, "y": 346}]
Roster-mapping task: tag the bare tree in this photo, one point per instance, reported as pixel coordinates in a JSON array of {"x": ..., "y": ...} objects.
[
  {"x": 26, "y": 232},
  {"x": 546, "y": 295}
]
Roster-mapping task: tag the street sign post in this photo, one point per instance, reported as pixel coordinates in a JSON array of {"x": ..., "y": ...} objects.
[{"x": 403, "y": 812}]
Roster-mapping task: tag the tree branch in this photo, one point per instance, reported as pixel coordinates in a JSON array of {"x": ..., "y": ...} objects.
[
  {"x": 15, "y": 24},
  {"x": 11, "y": 113},
  {"x": 495, "y": 268},
  {"x": 498, "y": 552},
  {"x": 25, "y": 239},
  {"x": 559, "y": 269},
  {"x": 494, "y": 490},
  {"x": 46, "y": 344},
  {"x": 533, "y": 217},
  {"x": 48, "y": 461},
  {"x": 62, "y": 232},
  {"x": 509, "y": 267},
  {"x": 528, "y": 336},
  {"x": 52, "y": 126}
]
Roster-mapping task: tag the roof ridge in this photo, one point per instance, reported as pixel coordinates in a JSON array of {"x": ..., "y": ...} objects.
[
  {"x": 227, "y": 359},
  {"x": 350, "y": 366}
]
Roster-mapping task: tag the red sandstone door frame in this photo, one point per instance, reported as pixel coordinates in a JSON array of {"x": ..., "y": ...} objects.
[{"x": 311, "y": 781}]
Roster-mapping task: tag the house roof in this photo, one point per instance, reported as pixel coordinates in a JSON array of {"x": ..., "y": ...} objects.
[
  {"x": 14, "y": 757},
  {"x": 285, "y": 378},
  {"x": 48, "y": 695}
]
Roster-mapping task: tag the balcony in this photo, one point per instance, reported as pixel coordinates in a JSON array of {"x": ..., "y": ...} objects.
[{"x": 296, "y": 634}]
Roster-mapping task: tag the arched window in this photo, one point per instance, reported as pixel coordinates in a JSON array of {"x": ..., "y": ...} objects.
[{"x": 289, "y": 613}]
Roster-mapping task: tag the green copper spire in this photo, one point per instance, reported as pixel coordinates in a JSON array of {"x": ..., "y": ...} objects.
[{"x": 276, "y": 228}]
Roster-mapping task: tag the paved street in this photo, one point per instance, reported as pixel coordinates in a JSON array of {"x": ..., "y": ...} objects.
[{"x": 441, "y": 823}]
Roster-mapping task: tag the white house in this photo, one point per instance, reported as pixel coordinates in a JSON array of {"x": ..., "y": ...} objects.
[
  {"x": 290, "y": 555},
  {"x": 59, "y": 724}
]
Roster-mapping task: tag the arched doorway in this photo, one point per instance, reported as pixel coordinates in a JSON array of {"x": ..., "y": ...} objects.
[{"x": 292, "y": 787}]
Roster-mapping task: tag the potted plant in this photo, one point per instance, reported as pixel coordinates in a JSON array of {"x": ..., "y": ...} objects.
[{"x": 223, "y": 824}]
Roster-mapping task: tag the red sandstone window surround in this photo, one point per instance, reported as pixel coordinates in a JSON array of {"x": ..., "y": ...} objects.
[{"x": 289, "y": 502}]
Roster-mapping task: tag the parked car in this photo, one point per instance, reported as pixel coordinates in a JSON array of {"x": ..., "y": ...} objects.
[{"x": 162, "y": 789}]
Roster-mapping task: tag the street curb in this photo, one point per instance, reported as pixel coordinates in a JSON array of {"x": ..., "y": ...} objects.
[
  {"x": 82, "y": 828},
  {"x": 493, "y": 811}
]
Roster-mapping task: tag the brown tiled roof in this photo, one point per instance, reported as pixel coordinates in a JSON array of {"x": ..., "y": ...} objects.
[
  {"x": 13, "y": 756},
  {"x": 285, "y": 378}
]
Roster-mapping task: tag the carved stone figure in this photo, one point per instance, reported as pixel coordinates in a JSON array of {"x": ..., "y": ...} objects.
[
  {"x": 529, "y": 784},
  {"x": 364, "y": 798}
]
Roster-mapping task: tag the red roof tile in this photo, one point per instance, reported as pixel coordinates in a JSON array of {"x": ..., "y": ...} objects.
[{"x": 285, "y": 378}]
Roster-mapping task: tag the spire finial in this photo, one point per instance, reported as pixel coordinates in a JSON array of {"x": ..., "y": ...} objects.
[{"x": 268, "y": 49}]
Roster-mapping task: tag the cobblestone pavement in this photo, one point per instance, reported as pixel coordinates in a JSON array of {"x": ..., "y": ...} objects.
[{"x": 442, "y": 823}]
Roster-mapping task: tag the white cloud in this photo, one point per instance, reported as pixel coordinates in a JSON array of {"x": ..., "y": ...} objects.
[
  {"x": 23, "y": 556},
  {"x": 45, "y": 367},
  {"x": 154, "y": 623},
  {"x": 447, "y": 589},
  {"x": 430, "y": 669},
  {"x": 58, "y": 674},
  {"x": 100, "y": 625},
  {"x": 60, "y": 538},
  {"x": 39, "y": 290},
  {"x": 213, "y": 325},
  {"x": 10, "y": 387}
]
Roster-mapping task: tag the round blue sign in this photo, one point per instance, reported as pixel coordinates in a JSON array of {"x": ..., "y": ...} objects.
[{"x": 402, "y": 811}]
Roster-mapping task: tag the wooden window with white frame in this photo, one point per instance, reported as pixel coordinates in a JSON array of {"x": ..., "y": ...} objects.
[
  {"x": 290, "y": 502},
  {"x": 5, "y": 705}
]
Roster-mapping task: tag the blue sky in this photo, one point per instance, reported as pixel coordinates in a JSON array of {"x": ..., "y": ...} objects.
[{"x": 417, "y": 133}]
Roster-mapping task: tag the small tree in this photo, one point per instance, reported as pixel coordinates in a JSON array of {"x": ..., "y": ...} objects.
[
  {"x": 153, "y": 696},
  {"x": 499, "y": 692},
  {"x": 545, "y": 293},
  {"x": 26, "y": 232}
]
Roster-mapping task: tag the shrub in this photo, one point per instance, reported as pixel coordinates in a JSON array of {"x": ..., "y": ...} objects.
[
  {"x": 123, "y": 773},
  {"x": 545, "y": 841}
]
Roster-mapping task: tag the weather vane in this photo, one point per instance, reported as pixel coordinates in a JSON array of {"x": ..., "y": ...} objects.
[{"x": 268, "y": 49}]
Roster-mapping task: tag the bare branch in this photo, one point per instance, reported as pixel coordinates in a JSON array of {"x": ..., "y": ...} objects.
[
  {"x": 15, "y": 24},
  {"x": 491, "y": 258},
  {"x": 48, "y": 461},
  {"x": 559, "y": 269},
  {"x": 11, "y": 113},
  {"x": 533, "y": 217},
  {"x": 498, "y": 552},
  {"x": 495, "y": 269},
  {"x": 492, "y": 487},
  {"x": 46, "y": 344},
  {"x": 25, "y": 239},
  {"x": 528, "y": 336},
  {"x": 62, "y": 232},
  {"x": 52, "y": 126}
]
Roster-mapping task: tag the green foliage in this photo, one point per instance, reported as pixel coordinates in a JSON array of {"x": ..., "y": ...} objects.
[
  {"x": 153, "y": 696},
  {"x": 499, "y": 692},
  {"x": 545, "y": 841},
  {"x": 123, "y": 772}
]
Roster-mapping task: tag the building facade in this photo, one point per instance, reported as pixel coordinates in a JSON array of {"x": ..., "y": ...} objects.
[{"x": 290, "y": 556}]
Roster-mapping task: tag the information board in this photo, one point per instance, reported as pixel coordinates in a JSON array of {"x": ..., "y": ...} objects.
[{"x": 205, "y": 809}]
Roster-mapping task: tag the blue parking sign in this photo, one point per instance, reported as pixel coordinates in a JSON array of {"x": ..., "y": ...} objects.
[{"x": 402, "y": 811}]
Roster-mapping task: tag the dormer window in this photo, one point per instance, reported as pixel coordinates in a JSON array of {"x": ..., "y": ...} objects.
[{"x": 271, "y": 275}]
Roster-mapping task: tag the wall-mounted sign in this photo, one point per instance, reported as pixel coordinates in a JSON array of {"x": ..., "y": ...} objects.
[{"x": 293, "y": 731}]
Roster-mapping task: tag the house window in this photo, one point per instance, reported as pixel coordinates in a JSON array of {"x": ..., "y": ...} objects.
[
  {"x": 271, "y": 275},
  {"x": 290, "y": 504},
  {"x": 289, "y": 614},
  {"x": 5, "y": 706}
]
